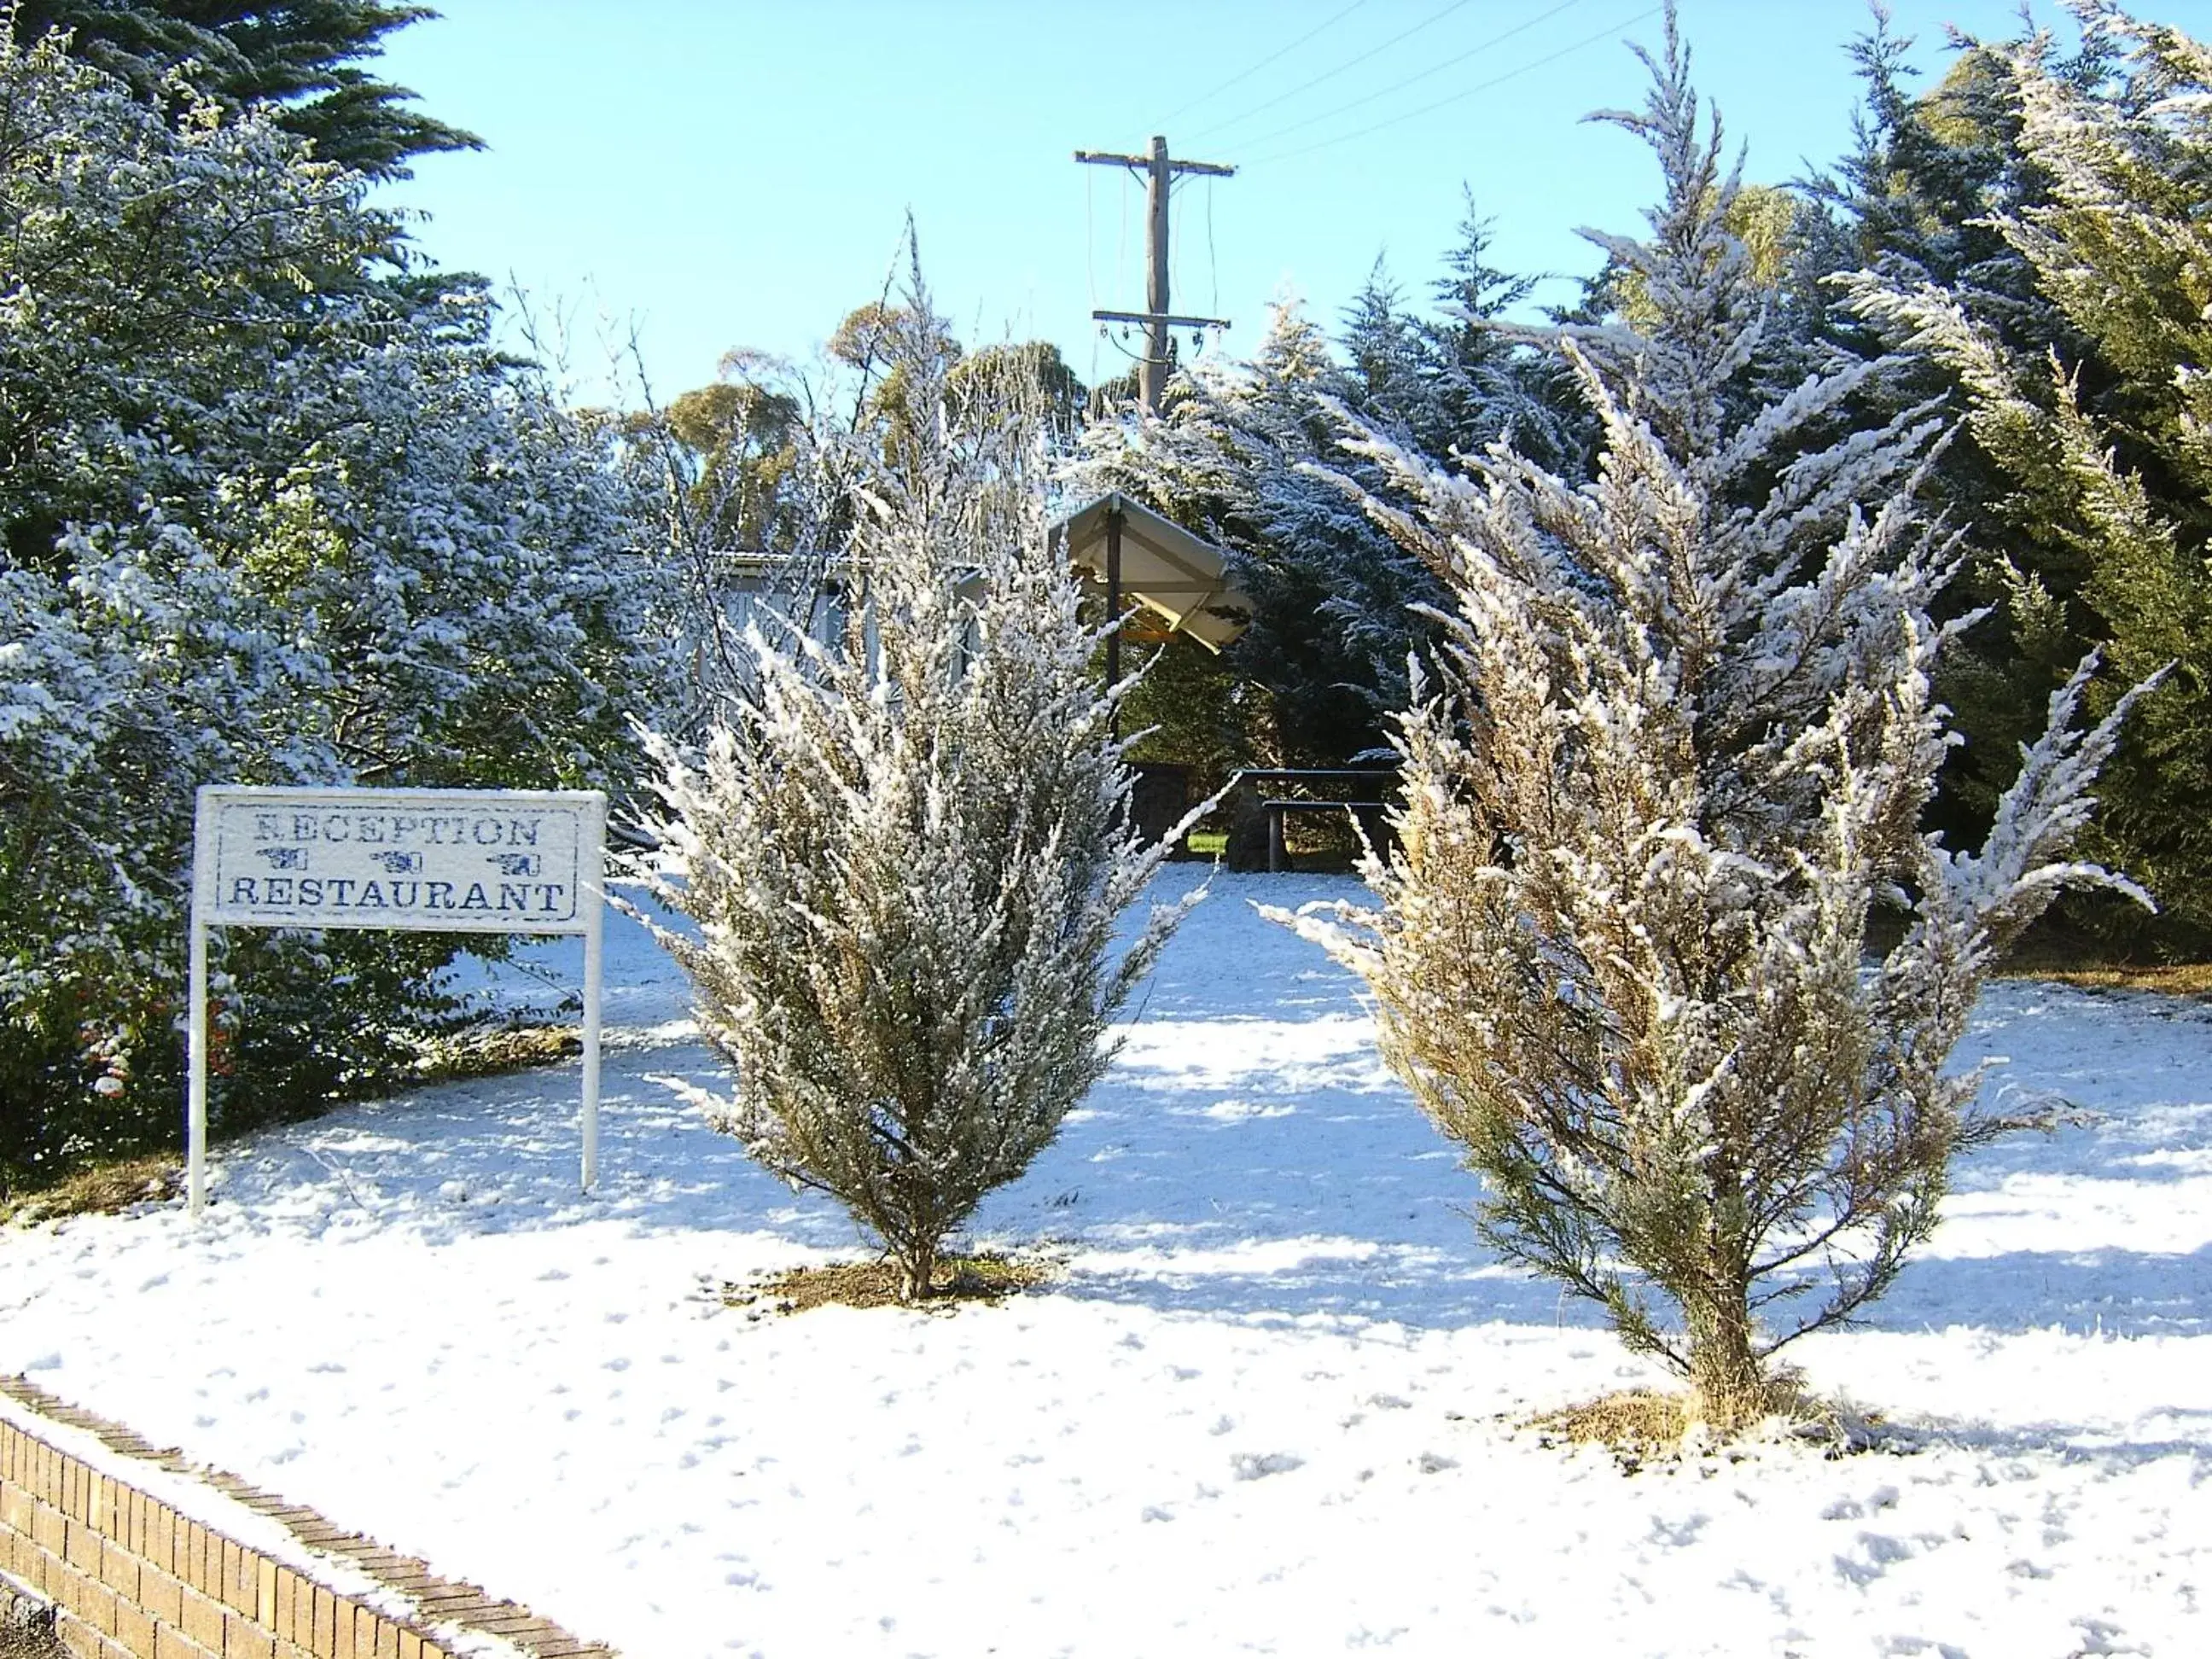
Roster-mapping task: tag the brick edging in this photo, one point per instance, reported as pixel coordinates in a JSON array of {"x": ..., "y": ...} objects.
[{"x": 133, "y": 1579}]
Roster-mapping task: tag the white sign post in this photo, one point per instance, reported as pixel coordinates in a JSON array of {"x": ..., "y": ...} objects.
[{"x": 442, "y": 860}]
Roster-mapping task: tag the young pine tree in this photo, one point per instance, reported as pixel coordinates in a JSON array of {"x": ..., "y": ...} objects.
[
  {"x": 905, "y": 852},
  {"x": 1676, "y": 746}
]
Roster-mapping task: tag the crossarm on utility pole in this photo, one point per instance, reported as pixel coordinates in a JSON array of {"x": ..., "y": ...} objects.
[
  {"x": 1143, "y": 163},
  {"x": 1148, "y": 318}
]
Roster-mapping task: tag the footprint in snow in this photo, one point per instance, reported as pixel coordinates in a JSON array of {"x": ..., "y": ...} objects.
[{"x": 1258, "y": 1466}]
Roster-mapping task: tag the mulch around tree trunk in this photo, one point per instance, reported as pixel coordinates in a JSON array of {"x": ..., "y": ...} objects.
[{"x": 989, "y": 1278}]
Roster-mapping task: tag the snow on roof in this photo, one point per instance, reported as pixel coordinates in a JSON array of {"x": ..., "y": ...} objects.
[{"x": 1163, "y": 566}]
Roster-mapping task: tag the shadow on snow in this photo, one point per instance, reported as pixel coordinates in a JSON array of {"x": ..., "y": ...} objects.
[{"x": 1249, "y": 1155}]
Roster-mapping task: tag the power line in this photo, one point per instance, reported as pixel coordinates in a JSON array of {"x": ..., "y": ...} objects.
[
  {"x": 1483, "y": 85},
  {"x": 1246, "y": 75},
  {"x": 1412, "y": 80},
  {"x": 1330, "y": 74},
  {"x": 1176, "y": 203},
  {"x": 1211, "y": 262}
]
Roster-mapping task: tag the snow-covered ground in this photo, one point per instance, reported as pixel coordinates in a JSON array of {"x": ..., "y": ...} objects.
[{"x": 1269, "y": 1409}]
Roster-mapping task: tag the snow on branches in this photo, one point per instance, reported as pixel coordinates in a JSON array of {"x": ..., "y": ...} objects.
[
  {"x": 1673, "y": 751},
  {"x": 2104, "y": 456},
  {"x": 905, "y": 852},
  {"x": 271, "y": 514}
]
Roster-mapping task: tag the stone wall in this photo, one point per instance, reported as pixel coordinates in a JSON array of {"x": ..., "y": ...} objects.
[{"x": 133, "y": 1577}]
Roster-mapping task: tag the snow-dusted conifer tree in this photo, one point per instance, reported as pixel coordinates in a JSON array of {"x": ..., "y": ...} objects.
[
  {"x": 905, "y": 852},
  {"x": 1676, "y": 746},
  {"x": 1382, "y": 345},
  {"x": 2102, "y": 442},
  {"x": 1330, "y": 593},
  {"x": 1483, "y": 383}
]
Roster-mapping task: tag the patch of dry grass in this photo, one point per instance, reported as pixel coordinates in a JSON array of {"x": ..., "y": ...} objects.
[
  {"x": 1636, "y": 1421},
  {"x": 490, "y": 1051},
  {"x": 103, "y": 1190},
  {"x": 989, "y": 1278},
  {"x": 2173, "y": 979},
  {"x": 2072, "y": 957},
  {"x": 2069, "y": 956},
  {"x": 1642, "y": 1425}
]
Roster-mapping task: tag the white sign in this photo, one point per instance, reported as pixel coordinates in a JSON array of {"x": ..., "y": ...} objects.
[
  {"x": 503, "y": 864},
  {"x": 500, "y": 862}
]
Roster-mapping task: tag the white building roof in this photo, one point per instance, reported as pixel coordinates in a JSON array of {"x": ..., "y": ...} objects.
[{"x": 1165, "y": 567}]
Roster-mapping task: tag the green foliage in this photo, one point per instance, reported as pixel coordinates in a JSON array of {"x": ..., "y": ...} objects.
[
  {"x": 1034, "y": 364},
  {"x": 725, "y": 458},
  {"x": 300, "y": 59},
  {"x": 1336, "y": 606},
  {"x": 1191, "y": 708},
  {"x": 1331, "y": 595},
  {"x": 2087, "y": 422},
  {"x": 1474, "y": 381},
  {"x": 266, "y": 519}
]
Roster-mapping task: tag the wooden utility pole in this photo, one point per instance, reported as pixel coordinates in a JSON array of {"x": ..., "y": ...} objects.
[
  {"x": 1114, "y": 606},
  {"x": 1158, "y": 172}
]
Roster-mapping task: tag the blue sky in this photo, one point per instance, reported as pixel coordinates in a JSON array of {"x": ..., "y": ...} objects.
[{"x": 719, "y": 173}]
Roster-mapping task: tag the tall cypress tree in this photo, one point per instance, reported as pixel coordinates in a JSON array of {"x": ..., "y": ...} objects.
[
  {"x": 1921, "y": 200},
  {"x": 1382, "y": 351},
  {"x": 1484, "y": 383}
]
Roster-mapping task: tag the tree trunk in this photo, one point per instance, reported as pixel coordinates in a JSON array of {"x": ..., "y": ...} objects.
[
  {"x": 917, "y": 1267},
  {"x": 1730, "y": 1386}
]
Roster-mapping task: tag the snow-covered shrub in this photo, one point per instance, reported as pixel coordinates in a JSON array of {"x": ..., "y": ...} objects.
[
  {"x": 1675, "y": 748},
  {"x": 270, "y": 515},
  {"x": 905, "y": 851}
]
